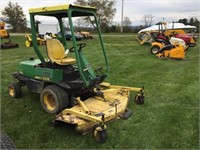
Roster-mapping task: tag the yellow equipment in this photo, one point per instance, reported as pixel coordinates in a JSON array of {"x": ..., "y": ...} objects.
[
  {"x": 93, "y": 113},
  {"x": 180, "y": 33},
  {"x": 28, "y": 42},
  {"x": 86, "y": 35},
  {"x": 159, "y": 44},
  {"x": 3, "y": 32},
  {"x": 166, "y": 31},
  {"x": 52, "y": 35},
  {"x": 176, "y": 50}
]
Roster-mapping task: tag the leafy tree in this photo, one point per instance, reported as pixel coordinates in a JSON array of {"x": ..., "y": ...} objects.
[
  {"x": 184, "y": 21},
  {"x": 191, "y": 21},
  {"x": 127, "y": 21},
  {"x": 113, "y": 28},
  {"x": 13, "y": 15},
  {"x": 197, "y": 24},
  {"x": 105, "y": 11}
]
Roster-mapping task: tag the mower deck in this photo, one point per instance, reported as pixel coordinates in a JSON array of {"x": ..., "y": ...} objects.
[
  {"x": 89, "y": 113},
  {"x": 9, "y": 45},
  {"x": 99, "y": 110}
]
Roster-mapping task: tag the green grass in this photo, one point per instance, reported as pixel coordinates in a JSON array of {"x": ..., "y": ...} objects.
[{"x": 169, "y": 119}]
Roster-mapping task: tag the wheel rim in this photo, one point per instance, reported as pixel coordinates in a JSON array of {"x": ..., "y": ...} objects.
[
  {"x": 27, "y": 44},
  {"x": 11, "y": 91},
  {"x": 49, "y": 101},
  {"x": 154, "y": 50}
]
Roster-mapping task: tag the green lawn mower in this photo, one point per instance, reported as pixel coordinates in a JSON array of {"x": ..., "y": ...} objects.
[{"x": 69, "y": 86}]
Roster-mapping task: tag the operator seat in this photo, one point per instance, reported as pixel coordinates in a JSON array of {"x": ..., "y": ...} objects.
[{"x": 56, "y": 53}]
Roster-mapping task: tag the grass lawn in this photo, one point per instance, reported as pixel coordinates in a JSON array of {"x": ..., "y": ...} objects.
[{"x": 169, "y": 119}]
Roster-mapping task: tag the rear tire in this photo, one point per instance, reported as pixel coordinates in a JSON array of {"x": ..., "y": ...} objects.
[
  {"x": 14, "y": 90},
  {"x": 54, "y": 99},
  {"x": 6, "y": 142}
]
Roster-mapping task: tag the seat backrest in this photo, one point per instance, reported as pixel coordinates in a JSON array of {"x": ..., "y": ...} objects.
[{"x": 55, "y": 49}]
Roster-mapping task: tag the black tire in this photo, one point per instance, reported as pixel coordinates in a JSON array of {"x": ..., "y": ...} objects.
[
  {"x": 6, "y": 142},
  {"x": 99, "y": 136},
  {"x": 54, "y": 99},
  {"x": 54, "y": 123},
  {"x": 8, "y": 35},
  {"x": 139, "y": 99},
  {"x": 155, "y": 49},
  {"x": 187, "y": 47},
  {"x": 14, "y": 90}
]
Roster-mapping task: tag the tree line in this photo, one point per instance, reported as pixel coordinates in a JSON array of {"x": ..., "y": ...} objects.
[{"x": 14, "y": 15}]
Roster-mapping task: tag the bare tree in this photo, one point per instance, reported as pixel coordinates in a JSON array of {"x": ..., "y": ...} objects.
[
  {"x": 148, "y": 20},
  {"x": 127, "y": 21},
  {"x": 126, "y": 24},
  {"x": 80, "y": 22}
]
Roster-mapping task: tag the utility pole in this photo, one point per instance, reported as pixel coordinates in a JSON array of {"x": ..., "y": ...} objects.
[{"x": 122, "y": 16}]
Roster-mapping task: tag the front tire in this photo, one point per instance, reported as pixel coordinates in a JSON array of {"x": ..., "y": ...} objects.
[
  {"x": 54, "y": 99},
  {"x": 139, "y": 99},
  {"x": 99, "y": 134},
  {"x": 155, "y": 49},
  {"x": 14, "y": 90}
]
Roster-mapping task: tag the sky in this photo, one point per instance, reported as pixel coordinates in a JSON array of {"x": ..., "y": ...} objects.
[{"x": 169, "y": 10}]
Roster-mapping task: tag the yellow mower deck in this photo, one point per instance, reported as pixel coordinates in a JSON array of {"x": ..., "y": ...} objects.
[{"x": 97, "y": 110}]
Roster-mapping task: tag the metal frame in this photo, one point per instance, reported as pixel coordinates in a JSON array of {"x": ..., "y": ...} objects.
[{"x": 69, "y": 11}]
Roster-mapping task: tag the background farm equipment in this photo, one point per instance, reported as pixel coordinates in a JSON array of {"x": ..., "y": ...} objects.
[
  {"x": 9, "y": 44},
  {"x": 3, "y": 32},
  {"x": 28, "y": 42},
  {"x": 68, "y": 36},
  {"x": 4, "y": 35},
  {"x": 165, "y": 31},
  {"x": 175, "y": 50},
  {"x": 160, "y": 41},
  {"x": 86, "y": 35}
]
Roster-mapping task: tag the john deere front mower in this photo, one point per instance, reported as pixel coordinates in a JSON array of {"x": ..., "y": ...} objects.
[{"x": 68, "y": 84}]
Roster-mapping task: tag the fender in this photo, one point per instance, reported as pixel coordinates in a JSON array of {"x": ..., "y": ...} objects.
[{"x": 158, "y": 44}]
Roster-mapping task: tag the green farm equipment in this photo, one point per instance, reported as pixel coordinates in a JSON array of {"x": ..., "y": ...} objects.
[{"x": 69, "y": 86}]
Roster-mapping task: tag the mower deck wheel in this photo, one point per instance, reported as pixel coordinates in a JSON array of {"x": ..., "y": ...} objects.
[
  {"x": 54, "y": 99},
  {"x": 99, "y": 134},
  {"x": 139, "y": 99},
  {"x": 155, "y": 49},
  {"x": 14, "y": 90}
]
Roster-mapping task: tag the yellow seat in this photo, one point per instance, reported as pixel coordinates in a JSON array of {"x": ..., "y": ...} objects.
[{"x": 56, "y": 53}]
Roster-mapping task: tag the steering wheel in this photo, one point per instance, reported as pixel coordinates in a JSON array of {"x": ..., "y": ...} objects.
[{"x": 80, "y": 46}]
